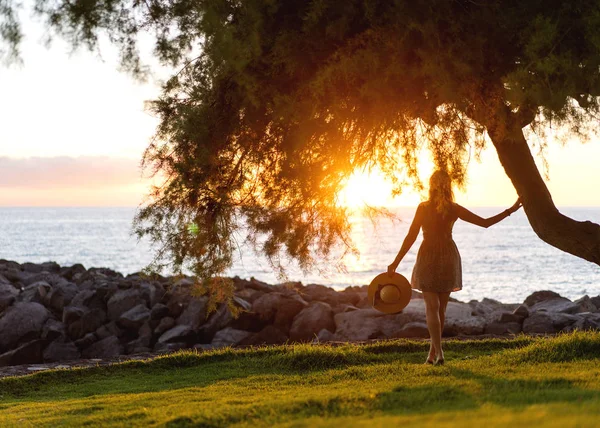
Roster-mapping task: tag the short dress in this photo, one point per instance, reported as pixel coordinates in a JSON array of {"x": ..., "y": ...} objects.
[{"x": 438, "y": 267}]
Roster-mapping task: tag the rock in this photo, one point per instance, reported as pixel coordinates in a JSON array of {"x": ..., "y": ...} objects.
[
  {"x": 321, "y": 293},
  {"x": 61, "y": 295},
  {"x": 135, "y": 317},
  {"x": 122, "y": 301},
  {"x": 217, "y": 321},
  {"x": 88, "y": 299},
  {"x": 165, "y": 324},
  {"x": 585, "y": 321},
  {"x": 547, "y": 322},
  {"x": 169, "y": 347},
  {"x": 105, "y": 348},
  {"x": 195, "y": 313},
  {"x": 60, "y": 351},
  {"x": 179, "y": 333},
  {"x": 278, "y": 309},
  {"x": 176, "y": 305},
  {"x": 413, "y": 330},
  {"x": 72, "y": 314},
  {"x": 86, "y": 341},
  {"x": 509, "y": 317},
  {"x": 69, "y": 273},
  {"x": 89, "y": 322},
  {"x": 21, "y": 322},
  {"x": 31, "y": 267},
  {"x": 151, "y": 292},
  {"x": 540, "y": 296},
  {"x": 229, "y": 337},
  {"x": 324, "y": 336},
  {"x": 557, "y": 304},
  {"x": 464, "y": 326},
  {"x": 522, "y": 311},
  {"x": 249, "y": 294},
  {"x": 7, "y": 298},
  {"x": 35, "y": 292},
  {"x": 242, "y": 304},
  {"x": 159, "y": 311},
  {"x": 363, "y": 324},
  {"x": 28, "y": 353},
  {"x": 109, "y": 329},
  {"x": 502, "y": 328},
  {"x": 53, "y": 330},
  {"x": 585, "y": 304},
  {"x": 270, "y": 335},
  {"x": 310, "y": 321}
]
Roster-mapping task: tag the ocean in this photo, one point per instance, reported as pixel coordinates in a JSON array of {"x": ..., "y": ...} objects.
[{"x": 506, "y": 262}]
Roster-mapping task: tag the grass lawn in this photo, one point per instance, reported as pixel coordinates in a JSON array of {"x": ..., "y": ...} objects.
[{"x": 524, "y": 381}]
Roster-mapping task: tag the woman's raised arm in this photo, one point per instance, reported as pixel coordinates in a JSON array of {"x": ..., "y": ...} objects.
[
  {"x": 468, "y": 216},
  {"x": 413, "y": 232}
]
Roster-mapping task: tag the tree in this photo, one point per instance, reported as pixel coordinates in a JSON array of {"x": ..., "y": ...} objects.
[{"x": 277, "y": 102}]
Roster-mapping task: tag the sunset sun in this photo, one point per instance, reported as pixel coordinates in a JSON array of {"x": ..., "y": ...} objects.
[{"x": 372, "y": 189}]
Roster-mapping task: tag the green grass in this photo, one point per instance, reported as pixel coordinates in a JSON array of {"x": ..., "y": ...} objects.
[{"x": 551, "y": 381}]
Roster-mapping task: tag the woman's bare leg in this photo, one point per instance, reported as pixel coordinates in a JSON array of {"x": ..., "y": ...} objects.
[
  {"x": 444, "y": 297},
  {"x": 432, "y": 310}
]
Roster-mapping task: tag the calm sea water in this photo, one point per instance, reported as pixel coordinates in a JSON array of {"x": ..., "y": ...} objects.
[{"x": 505, "y": 262}]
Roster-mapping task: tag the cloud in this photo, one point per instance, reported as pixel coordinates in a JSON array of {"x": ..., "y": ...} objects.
[{"x": 89, "y": 172}]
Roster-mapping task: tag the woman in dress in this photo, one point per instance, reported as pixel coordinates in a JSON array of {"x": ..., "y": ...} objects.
[{"x": 437, "y": 271}]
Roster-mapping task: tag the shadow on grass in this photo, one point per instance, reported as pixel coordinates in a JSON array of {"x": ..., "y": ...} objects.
[{"x": 190, "y": 369}]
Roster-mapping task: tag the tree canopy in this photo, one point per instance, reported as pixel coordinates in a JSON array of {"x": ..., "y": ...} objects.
[{"x": 276, "y": 102}]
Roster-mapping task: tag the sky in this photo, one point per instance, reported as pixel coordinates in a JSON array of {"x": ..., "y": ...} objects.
[{"x": 73, "y": 129}]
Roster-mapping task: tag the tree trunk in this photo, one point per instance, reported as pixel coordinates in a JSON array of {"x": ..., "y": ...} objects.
[{"x": 581, "y": 239}]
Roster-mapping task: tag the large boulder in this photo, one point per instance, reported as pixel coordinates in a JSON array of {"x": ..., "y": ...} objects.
[
  {"x": 151, "y": 292},
  {"x": 195, "y": 313},
  {"x": 586, "y": 304},
  {"x": 364, "y": 324},
  {"x": 61, "y": 351},
  {"x": 466, "y": 326},
  {"x": 278, "y": 309},
  {"x": 548, "y": 322},
  {"x": 217, "y": 321},
  {"x": 414, "y": 329},
  {"x": 228, "y": 337},
  {"x": 179, "y": 333},
  {"x": 540, "y": 296},
  {"x": 106, "y": 348},
  {"x": 61, "y": 295},
  {"x": 270, "y": 335},
  {"x": 503, "y": 328},
  {"x": 321, "y": 293},
  {"x": 53, "y": 329},
  {"x": 28, "y": 353},
  {"x": 8, "y": 294},
  {"x": 122, "y": 301},
  {"x": 89, "y": 321},
  {"x": 310, "y": 321},
  {"x": 135, "y": 317},
  {"x": 20, "y": 323},
  {"x": 556, "y": 304},
  {"x": 165, "y": 324}
]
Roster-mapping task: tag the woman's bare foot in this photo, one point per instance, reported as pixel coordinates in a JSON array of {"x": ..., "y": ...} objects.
[{"x": 431, "y": 356}]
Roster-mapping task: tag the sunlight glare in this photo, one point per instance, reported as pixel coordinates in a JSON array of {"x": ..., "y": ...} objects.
[{"x": 372, "y": 189}]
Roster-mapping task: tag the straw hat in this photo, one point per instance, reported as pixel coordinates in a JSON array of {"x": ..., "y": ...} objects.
[{"x": 389, "y": 294}]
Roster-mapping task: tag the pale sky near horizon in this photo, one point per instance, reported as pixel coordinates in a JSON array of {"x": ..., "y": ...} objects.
[{"x": 73, "y": 129}]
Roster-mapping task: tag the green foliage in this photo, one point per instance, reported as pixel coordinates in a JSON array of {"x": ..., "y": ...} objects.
[
  {"x": 496, "y": 382},
  {"x": 277, "y": 102}
]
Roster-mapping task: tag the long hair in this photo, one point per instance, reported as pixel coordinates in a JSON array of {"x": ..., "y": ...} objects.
[{"x": 440, "y": 191}]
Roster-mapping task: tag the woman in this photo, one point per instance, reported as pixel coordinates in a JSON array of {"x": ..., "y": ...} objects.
[{"x": 438, "y": 270}]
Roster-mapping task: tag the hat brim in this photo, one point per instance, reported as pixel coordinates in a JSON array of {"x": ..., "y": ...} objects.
[{"x": 400, "y": 282}]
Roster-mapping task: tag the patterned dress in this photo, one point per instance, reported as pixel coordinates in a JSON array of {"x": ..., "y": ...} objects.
[{"x": 438, "y": 267}]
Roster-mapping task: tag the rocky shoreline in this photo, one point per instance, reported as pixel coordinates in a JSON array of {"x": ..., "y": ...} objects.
[{"x": 52, "y": 314}]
